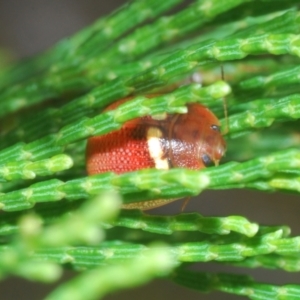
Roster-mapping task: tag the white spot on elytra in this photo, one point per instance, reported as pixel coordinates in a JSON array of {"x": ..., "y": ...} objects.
[{"x": 155, "y": 149}]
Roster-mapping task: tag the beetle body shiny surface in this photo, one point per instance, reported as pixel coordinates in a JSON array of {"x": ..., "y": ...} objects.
[{"x": 192, "y": 140}]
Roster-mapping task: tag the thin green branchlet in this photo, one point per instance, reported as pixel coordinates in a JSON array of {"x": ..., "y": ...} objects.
[{"x": 181, "y": 182}]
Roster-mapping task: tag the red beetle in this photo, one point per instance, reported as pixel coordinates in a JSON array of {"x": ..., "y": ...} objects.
[{"x": 192, "y": 140}]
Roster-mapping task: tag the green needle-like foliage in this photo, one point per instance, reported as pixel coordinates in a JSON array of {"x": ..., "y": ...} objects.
[
  {"x": 236, "y": 284},
  {"x": 54, "y": 216}
]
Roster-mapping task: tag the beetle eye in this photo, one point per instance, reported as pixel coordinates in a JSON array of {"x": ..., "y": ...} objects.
[
  {"x": 207, "y": 160},
  {"x": 215, "y": 128}
]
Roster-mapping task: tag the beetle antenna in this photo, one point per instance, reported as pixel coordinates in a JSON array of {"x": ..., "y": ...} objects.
[
  {"x": 185, "y": 202},
  {"x": 225, "y": 106}
]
